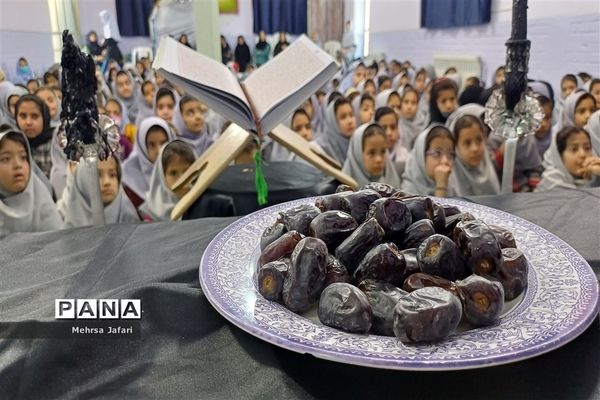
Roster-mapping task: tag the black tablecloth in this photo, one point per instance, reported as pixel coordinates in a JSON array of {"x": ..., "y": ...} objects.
[{"x": 188, "y": 350}]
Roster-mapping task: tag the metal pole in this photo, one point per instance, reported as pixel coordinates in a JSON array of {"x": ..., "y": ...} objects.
[{"x": 517, "y": 60}]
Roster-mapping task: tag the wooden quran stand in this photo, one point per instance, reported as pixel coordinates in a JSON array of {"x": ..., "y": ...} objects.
[{"x": 229, "y": 145}]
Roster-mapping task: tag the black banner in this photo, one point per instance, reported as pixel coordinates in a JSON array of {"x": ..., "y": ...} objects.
[{"x": 72, "y": 329}]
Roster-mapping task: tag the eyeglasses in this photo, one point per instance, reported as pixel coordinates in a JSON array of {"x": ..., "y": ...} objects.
[{"x": 437, "y": 154}]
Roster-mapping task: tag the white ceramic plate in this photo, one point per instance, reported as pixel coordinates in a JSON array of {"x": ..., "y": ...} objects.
[{"x": 561, "y": 301}]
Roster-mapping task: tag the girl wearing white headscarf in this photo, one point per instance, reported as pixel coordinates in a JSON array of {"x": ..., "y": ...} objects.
[
  {"x": 13, "y": 91},
  {"x": 368, "y": 159},
  {"x": 389, "y": 98},
  {"x": 339, "y": 127},
  {"x": 468, "y": 179},
  {"x": 5, "y": 87},
  {"x": 388, "y": 120},
  {"x": 137, "y": 169},
  {"x": 125, "y": 89},
  {"x": 593, "y": 128},
  {"x": 570, "y": 165},
  {"x": 145, "y": 104},
  {"x": 429, "y": 164},
  {"x": 26, "y": 204},
  {"x": 577, "y": 109},
  {"x": 83, "y": 184},
  {"x": 173, "y": 160},
  {"x": 364, "y": 108},
  {"x": 410, "y": 121},
  {"x": 299, "y": 122},
  {"x": 191, "y": 125}
]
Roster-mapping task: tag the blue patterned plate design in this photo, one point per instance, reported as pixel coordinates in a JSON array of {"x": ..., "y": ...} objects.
[{"x": 561, "y": 301}]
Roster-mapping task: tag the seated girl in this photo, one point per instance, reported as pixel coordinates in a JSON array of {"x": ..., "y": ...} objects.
[
  {"x": 411, "y": 123},
  {"x": 577, "y": 109},
  {"x": 430, "y": 163},
  {"x": 368, "y": 159},
  {"x": 47, "y": 95},
  {"x": 76, "y": 205},
  {"x": 299, "y": 123},
  {"x": 443, "y": 100},
  {"x": 33, "y": 119},
  {"x": 117, "y": 111},
  {"x": 137, "y": 169},
  {"x": 389, "y": 98},
  {"x": 173, "y": 160},
  {"x": 10, "y": 101},
  {"x": 26, "y": 204},
  {"x": 164, "y": 104},
  {"x": 569, "y": 163},
  {"x": 473, "y": 173},
  {"x": 189, "y": 120},
  {"x": 593, "y": 128},
  {"x": 388, "y": 120},
  {"x": 543, "y": 135},
  {"x": 364, "y": 109},
  {"x": 339, "y": 127},
  {"x": 367, "y": 87},
  {"x": 125, "y": 89},
  {"x": 146, "y": 101}
]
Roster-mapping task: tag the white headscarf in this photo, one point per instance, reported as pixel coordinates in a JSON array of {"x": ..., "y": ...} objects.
[
  {"x": 130, "y": 103},
  {"x": 5, "y": 87},
  {"x": 137, "y": 169},
  {"x": 355, "y": 166},
  {"x": 556, "y": 174},
  {"x": 567, "y": 115},
  {"x": 593, "y": 128},
  {"x": 58, "y": 172},
  {"x": 160, "y": 199},
  {"x": 410, "y": 129},
  {"x": 415, "y": 179},
  {"x": 396, "y": 80},
  {"x": 31, "y": 210},
  {"x": 467, "y": 180},
  {"x": 13, "y": 91},
  {"x": 75, "y": 204},
  {"x": 200, "y": 142},
  {"x": 143, "y": 110},
  {"x": 332, "y": 142},
  {"x": 382, "y": 98}
]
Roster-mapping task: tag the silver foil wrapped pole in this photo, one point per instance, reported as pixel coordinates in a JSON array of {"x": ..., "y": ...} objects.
[
  {"x": 85, "y": 136},
  {"x": 510, "y": 112}
]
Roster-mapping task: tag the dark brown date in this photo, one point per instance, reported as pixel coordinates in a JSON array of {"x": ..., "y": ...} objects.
[
  {"x": 332, "y": 227},
  {"x": 382, "y": 263},
  {"x": 478, "y": 246},
  {"x": 306, "y": 276},
  {"x": 270, "y": 279},
  {"x": 298, "y": 218},
  {"x": 421, "y": 280},
  {"x": 280, "y": 248},
  {"x": 392, "y": 214},
  {"x": 357, "y": 245}
]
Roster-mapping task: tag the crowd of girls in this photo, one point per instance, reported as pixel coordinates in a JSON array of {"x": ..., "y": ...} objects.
[{"x": 385, "y": 122}]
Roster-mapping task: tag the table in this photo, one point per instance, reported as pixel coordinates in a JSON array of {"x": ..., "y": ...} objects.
[{"x": 188, "y": 350}]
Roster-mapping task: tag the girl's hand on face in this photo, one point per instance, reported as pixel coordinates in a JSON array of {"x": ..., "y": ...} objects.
[
  {"x": 591, "y": 166},
  {"x": 441, "y": 173}
]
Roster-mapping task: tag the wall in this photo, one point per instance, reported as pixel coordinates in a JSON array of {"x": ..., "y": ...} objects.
[
  {"x": 25, "y": 34},
  {"x": 565, "y": 36},
  {"x": 241, "y": 23},
  {"x": 25, "y": 30}
]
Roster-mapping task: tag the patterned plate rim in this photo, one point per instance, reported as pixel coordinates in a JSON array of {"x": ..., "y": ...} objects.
[{"x": 578, "y": 326}]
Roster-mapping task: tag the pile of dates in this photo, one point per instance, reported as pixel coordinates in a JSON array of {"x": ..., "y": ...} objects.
[{"x": 382, "y": 261}]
